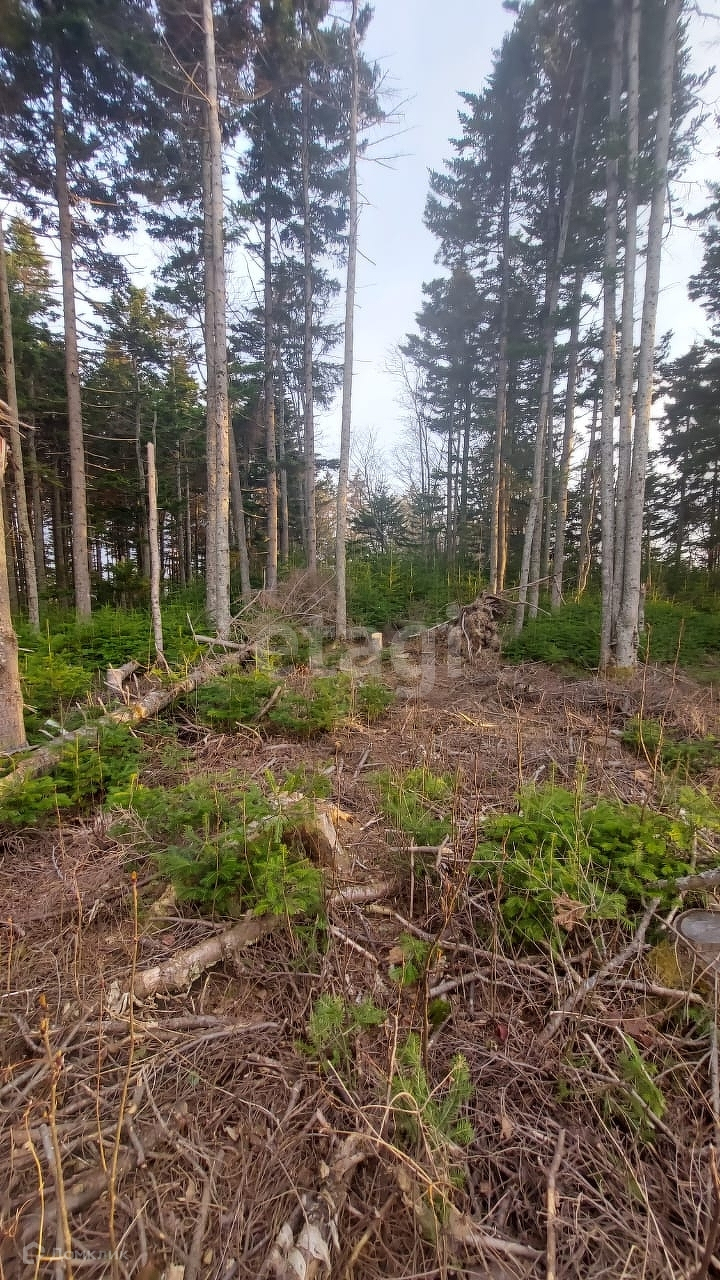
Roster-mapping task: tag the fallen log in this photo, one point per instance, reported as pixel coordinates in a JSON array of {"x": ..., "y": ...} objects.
[
  {"x": 43, "y": 758},
  {"x": 182, "y": 969}
]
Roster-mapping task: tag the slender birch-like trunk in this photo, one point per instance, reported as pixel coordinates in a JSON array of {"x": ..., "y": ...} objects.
[
  {"x": 501, "y": 395},
  {"x": 627, "y": 324},
  {"x": 12, "y": 728},
  {"x": 76, "y": 445},
  {"x": 607, "y": 417},
  {"x": 154, "y": 551},
  {"x": 269, "y": 400},
  {"x": 238, "y": 510},
  {"x": 310, "y": 521},
  {"x": 627, "y": 635},
  {"x": 346, "y": 416},
  {"x": 210, "y": 432},
  {"x": 283, "y": 510},
  {"x": 37, "y": 514},
  {"x": 567, "y": 445},
  {"x": 551, "y": 303},
  {"x": 218, "y": 347},
  {"x": 26, "y": 537}
]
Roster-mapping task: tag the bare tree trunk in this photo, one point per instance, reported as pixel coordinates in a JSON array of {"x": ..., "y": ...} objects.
[
  {"x": 627, "y": 345},
  {"x": 179, "y": 537},
  {"x": 145, "y": 567},
  {"x": 501, "y": 397},
  {"x": 567, "y": 445},
  {"x": 544, "y": 566},
  {"x": 607, "y": 420},
  {"x": 154, "y": 547},
  {"x": 551, "y": 302},
  {"x": 216, "y": 288},
  {"x": 269, "y": 399},
  {"x": 76, "y": 446},
  {"x": 627, "y": 635},
  {"x": 239, "y": 519},
  {"x": 282, "y": 470},
  {"x": 346, "y": 417},
  {"x": 210, "y": 432},
  {"x": 58, "y": 532},
  {"x": 308, "y": 388},
  {"x": 189, "y": 561},
  {"x": 26, "y": 538},
  {"x": 37, "y": 515},
  {"x": 589, "y": 495},
  {"x": 9, "y": 543},
  {"x": 12, "y": 728},
  {"x": 450, "y": 492}
]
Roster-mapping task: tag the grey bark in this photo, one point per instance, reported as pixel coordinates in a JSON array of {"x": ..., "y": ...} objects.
[
  {"x": 239, "y": 519},
  {"x": 310, "y": 522},
  {"x": 346, "y": 415},
  {"x": 627, "y": 635},
  {"x": 76, "y": 445},
  {"x": 26, "y": 537},
  {"x": 551, "y": 303},
  {"x": 216, "y": 287},
  {"x": 12, "y": 728},
  {"x": 567, "y": 446},
  {"x": 37, "y": 514},
  {"x": 269, "y": 401},
  {"x": 154, "y": 549},
  {"x": 627, "y": 345},
  {"x": 607, "y": 419},
  {"x": 501, "y": 395}
]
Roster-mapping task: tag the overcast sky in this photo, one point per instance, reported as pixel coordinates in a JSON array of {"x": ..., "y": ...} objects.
[{"x": 429, "y": 52}]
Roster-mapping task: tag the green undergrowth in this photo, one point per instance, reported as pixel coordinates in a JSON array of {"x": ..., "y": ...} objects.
[
  {"x": 334, "y": 1026},
  {"x": 87, "y": 771},
  {"x": 571, "y": 636},
  {"x": 565, "y": 860},
  {"x": 390, "y": 590},
  {"x": 680, "y": 756},
  {"x": 417, "y": 802},
  {"x": 320, "y": 705},
  {"x": 226, "y": 845},
  {"x": 60, "y": 667}
]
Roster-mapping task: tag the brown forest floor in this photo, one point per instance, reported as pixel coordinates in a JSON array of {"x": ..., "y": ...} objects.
[{"x": 214, "y": 1129}]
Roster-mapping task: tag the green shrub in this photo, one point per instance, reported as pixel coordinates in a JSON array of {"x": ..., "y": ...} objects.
[
  {"x": 417, "y": 802},
  {"x": 683, "y": 756},
  {"x": 85, "y": 773},
  {"x": 431, "y": 1118},
  {"x": 225, "y": 846},
  {"x": 563, "y": 860},
  {"x": 334, "y": 1026},
  {"x": 232, "y": 700},
  {"x": 319, "y": 706}
]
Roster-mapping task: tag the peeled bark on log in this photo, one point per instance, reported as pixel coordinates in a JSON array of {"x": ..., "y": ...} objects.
[
  {"x": 305, "y": 1252},
  {"x": 117, "y": 676},
  {"x": 182, "y": 969},
  {"x": 177, "y": 973}
]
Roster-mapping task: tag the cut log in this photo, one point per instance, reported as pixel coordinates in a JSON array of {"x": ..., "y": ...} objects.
[{"x": 116, "y": 678}]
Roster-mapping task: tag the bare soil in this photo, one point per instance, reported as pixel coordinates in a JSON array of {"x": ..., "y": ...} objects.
[{"x": 192, "y": 1130}]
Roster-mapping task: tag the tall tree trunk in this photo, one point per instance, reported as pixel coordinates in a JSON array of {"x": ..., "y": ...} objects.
[
  {"x": 58, "y": 533},
  {"x": 607, "y": 420},
  {"x": 154, "y": 548},
  {"x": 346, "y": 415},
  {"x": 12, "y": 728},
  {"x": 37, "y": 515},
  {"x": 9, "y": 540},
  {"x": 215, "y": 286},
  {"x": 145, "y": 566},
  {"x": 589, "y": 495},
  {"x": 239, "y": 519},
  {"x": 179, "y": 538},
  {"x": 26, "y": 538},
  {"x": 76, "y": 445},
  {"x": 450, "y": 492},
  {"x": 627, "y": 635},
  {"x": 269, "y": 397},
  {"x": 551, "y": 302},
  {"x": 284, "y": 510},
  {"x": 547, "y": 540},
  {"x": 211, "y": 514},
  {"x": 310, "y": 521},
  {"x": 627, "y": 345},
  {"x": 567, "y": 444},
  {"x": 501, "y": 395}
]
